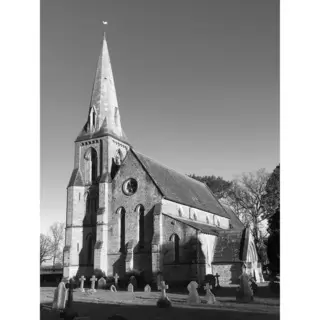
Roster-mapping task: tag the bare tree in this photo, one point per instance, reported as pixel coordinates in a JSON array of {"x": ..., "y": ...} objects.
[
  {"x": 45, "y": 248},
  {"x": 57, "y": 234},
  {"x": 245, "y": 196}
]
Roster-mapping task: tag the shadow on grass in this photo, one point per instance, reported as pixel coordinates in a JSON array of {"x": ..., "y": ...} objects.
[{"x": 103, "y": 311}]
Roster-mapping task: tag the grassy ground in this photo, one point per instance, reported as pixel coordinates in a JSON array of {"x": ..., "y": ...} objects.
[{"x": 141, "y": 305}]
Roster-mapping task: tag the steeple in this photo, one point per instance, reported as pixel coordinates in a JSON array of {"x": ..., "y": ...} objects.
[{"x": 104, "y": 116}]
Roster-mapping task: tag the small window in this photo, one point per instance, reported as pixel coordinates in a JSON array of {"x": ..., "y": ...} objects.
[
  {"x": 207, "y": 220},
  {"x": 176, "y": 246},
  {"x": 78, "y": 246},
  {"x": 195, "y": 217},
  {"x": 130, "y": 186}
]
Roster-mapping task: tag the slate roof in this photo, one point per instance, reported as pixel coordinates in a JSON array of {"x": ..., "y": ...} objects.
[
  {"x": 180, "y": 188},
  {"x": 76, "y": 179},
  {"x": 234, "y": 220},
  {"x": 204, "y": 228}
]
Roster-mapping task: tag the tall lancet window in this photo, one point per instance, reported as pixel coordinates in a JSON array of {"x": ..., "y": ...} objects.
[
  {"x": 122, "y": 227},
  {"x": 140, "y": 212},
  {"x": 89, "y": 249},
  {"x": 176, "y": 246},
  {"x": 91, "y": 165},
  {"x": 92, "y": 117}
]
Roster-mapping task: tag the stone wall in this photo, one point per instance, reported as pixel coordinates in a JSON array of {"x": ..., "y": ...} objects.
[
  {"x": 146, "y": 195},
  {"x": 229, "y": 273}
]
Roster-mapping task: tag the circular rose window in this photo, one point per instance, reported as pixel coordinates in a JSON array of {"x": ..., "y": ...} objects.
[{"x": 130, "y": 186}]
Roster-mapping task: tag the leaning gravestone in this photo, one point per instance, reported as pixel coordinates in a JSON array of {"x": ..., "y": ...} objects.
[
  {"x": 55, "y": 299},
  {"x": 210, "y": 298},
  {"x": 60, "y": 299},
  {"x": 113, "y": 288},
  {"x": 147, "y": 288},
  {"x": 102, "y": 283},
  {"x": 130, "y": 287},
  {"x": 193, "y": 297}
]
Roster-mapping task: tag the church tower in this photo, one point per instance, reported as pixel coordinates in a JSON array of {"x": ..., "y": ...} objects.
[{"x": 100, "y": 148}]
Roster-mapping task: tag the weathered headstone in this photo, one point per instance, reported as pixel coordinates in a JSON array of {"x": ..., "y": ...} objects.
[
  {"x": 133, "y": 281},
  {"x": 55, "y": 299},
  {"x": 244, "y": 292},
  {"x": 163, "y": 301},
  {"x": 82, "y": 280},
  {"x": 102, "y": 283},
  {"x": 93, "y": 282},
  {"x": 210, "y": 298},
  {"x": 113, "y": 288},
  {"x": 61, "y": 297},
  {"x": 193, "y": 297},
  {"x": 147, "y": 288},
  {"x": 116, "y": 278},
  {"x": 130, "y": 287},
  {"x": 159, "y": 279}
]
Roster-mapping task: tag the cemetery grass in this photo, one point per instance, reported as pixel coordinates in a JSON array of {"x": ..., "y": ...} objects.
[{"x": 141, "y": 305}]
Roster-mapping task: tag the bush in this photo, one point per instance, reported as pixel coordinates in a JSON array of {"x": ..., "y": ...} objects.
[{"x": 98, "y": 273}]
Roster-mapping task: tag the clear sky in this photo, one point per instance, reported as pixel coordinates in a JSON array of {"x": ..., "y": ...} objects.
[{"x": 197, "y": 84}]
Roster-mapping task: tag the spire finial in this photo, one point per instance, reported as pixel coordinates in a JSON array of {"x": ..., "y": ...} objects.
[{"x": 104, "y": 32}]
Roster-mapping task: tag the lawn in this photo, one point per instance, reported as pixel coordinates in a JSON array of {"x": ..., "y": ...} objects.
[{"x": 141, "y": 305}]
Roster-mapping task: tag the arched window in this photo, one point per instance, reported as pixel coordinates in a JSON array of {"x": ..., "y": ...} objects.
[
  {"x": 140, "y": 212},
  {"x": 91, "y": 165},
  {"x": 176, "y": 246},
  {"x": 122, "y": 223},
  {"x": 90, "y": 249},
  {"x": 194, "y": 216},
  {"x": 207, "y": 219}
]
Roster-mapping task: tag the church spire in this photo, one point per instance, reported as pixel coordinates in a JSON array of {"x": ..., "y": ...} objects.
[{"x": 104, "y": 116}]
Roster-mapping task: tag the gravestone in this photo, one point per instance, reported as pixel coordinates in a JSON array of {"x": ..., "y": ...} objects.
[
  {"x": 61, "y": 297},
  {"x": 93, "y": 282},
  {"x": 113, "y": 288},
  {"x": 147, "y": 288},
  {"x": 70, "y": 286},
  {"x": 130, "y": 287},
  {"x": 116, "y": 278},
  {"x": 163, "y": 301},
  {"x": 55, "y": 299},
  {"x": 159, "y": 279},
  {"x": 193, "y": 297},
  {"x": 210, "y": 298},
  {"x": 102, "y": 283},
  {"x": 82, "y": 280},
  {"x": 133, "y": 281},
  {"x": 244, "y": 292}
]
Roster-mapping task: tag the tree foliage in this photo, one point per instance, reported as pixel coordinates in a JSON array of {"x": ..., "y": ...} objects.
[
  {"x": 245, "y": 196},
  {"x": 271, "y": 203},
  {"x": 217, "y": 185},
  {"x": 45, "y": 248},
  {"x": 57, "y": 238}
]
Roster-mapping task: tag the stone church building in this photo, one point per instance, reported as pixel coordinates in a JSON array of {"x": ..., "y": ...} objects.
[{"x": 126, "y": 211}]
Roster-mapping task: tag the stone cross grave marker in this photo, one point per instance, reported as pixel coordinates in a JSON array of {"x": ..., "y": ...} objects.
[
  {"x": 147, "y": 288},
  {"x": 82, "y": 280},
  {"x": 193, "y": 297},
  {"x": 163, "y": 288},
  {"x": 130, "y": 287},
  {"x": 210, "y": 298},
  {"x": 102, "y": 283},
  {"x": 217, "y": 280},
  {"x": 93, "y": 282},
  {"x": 116, "y": 278},
  {"x": 70, "y": 286}
]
